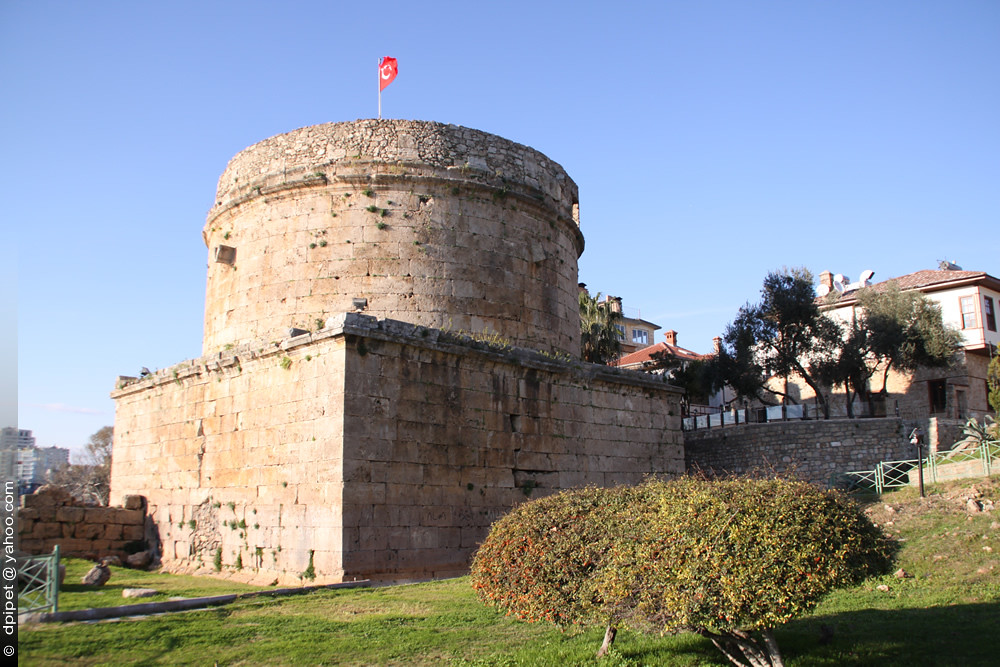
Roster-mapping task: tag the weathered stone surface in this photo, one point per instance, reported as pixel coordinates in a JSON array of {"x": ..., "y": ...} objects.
[
  {"x": 80, "y": 531},
  {"x": 329, "y": 457},
  {"x": 97, "y": 576},
  {"x": 134, "y": 502},
  {"x": 140, "y": 560},
  {"x": 803, "y": 448},
  {"x": 490, "y": 249},
  {"x": 382, "y": 443},
  {"x": 47, "y": 496},
  {"x": 139, "y": 592}
]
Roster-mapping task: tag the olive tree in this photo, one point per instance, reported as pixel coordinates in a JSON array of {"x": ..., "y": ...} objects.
[
  {"x": 782, "y": 335},
  {"x": 993, "y": 383},
  {"x": 729, "y": 560},
  {"x": 892, "y": 330}
]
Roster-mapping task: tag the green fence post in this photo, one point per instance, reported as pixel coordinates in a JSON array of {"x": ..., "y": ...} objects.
[{"x": 54, "y": 579}]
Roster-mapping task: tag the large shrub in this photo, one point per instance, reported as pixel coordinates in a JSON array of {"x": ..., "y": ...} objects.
[
  {"x": 725, "y": 559},
  {"x": 539, "y": 560}
]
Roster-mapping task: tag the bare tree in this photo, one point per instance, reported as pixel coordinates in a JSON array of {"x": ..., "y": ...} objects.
[{"x": 90, "y": 481}]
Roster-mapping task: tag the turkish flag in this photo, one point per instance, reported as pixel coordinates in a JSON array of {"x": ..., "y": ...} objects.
[{"x": 386, "y": 72}]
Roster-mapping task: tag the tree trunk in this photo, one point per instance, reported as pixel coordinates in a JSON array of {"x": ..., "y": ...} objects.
[
  {"x": 609, "y": 639},
  {"x": 772, "y": 649},
  {"x": 741, "y": 649}
]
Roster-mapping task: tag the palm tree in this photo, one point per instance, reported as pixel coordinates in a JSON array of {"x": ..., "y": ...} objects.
[{"x": 600, "y": 330}]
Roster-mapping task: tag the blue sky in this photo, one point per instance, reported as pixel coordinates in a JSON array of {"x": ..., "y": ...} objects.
[{"x": 712, "y": 142}]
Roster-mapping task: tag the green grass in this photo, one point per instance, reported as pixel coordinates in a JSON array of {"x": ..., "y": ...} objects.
[
  {"x": 946, "y": 613},
  {"x": 74, "y": 595}
]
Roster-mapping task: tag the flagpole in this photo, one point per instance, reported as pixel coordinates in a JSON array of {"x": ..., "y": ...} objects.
[{"x": 378, "y": 75}]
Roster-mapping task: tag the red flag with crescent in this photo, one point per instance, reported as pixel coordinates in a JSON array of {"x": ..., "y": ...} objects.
[{"x": 386, "y": 72}]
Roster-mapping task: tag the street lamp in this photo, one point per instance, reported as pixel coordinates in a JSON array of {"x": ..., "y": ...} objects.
[{"x": 917, "y": 438}]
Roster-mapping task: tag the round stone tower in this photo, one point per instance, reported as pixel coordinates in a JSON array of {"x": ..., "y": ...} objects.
[{"x": 432, "y": 224}]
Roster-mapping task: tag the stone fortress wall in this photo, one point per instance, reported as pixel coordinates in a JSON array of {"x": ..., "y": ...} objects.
[
  {"x": 433, "y": 224},
  {"x": 381, "y": 444},
  {"x": 374, "y": 448}
]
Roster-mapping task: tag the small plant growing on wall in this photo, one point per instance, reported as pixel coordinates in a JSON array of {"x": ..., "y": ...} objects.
[
  {"x": 372, "y": 208},
  {"x": 217, "y": 560},
  {"x": 368, "y": 192},
  {"x": 286, "y": 363},
  {"x": 310, "y": 572}
]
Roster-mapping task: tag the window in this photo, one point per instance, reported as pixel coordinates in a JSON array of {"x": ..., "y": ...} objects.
[
  {"x": 621, "y": 332},
  {"x": 640, "y": 336},
  {"x": 968, "y": 312},
  {"x": 988, "y": 314}
]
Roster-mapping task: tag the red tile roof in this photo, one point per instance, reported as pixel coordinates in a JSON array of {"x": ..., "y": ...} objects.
[
  {"x": 654, "y": 352},
  {"x": 928, "y": 281}
]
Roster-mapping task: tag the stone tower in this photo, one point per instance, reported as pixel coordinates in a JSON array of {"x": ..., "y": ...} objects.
[
  {"x": 431, "y": 224},
  {"x": 390, "y": 363}
]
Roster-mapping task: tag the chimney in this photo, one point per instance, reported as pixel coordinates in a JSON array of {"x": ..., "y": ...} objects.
[
  {"x": 826, "y": 278},
  {"x": 717, "y": 345},
  {"x": 670, "y": 337},
  {"x": 614, "y": 303}
]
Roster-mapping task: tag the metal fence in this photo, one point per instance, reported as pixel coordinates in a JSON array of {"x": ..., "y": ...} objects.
[
  {"x": 895, "y": 474},
  {"x": 38, "y": 582},
  {"x": 724, "y": 418}
]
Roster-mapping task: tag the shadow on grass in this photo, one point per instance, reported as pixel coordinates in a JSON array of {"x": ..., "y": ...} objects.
[{"x": 961, "y": 634}]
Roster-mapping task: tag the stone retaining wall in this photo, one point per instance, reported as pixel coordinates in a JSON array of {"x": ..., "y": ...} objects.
[
  {"x": 51, "y": 516},
  {"x": 811, "y": 450}
]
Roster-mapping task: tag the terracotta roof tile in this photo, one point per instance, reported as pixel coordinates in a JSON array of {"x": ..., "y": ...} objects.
[
  {"x": 927, "y": 281},
  {"x": 651, "y": 353}
]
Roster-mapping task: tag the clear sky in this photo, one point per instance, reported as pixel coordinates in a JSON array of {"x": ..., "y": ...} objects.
[{"x": 712, "y": 142}]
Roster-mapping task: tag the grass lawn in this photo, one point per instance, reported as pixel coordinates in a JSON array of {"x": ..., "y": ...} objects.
[
  {"x": 946, "y": 613},
  {"x": 74, "y": 595}
]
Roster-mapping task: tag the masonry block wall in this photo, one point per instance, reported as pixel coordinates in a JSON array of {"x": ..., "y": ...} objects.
[
  {"x": 51, "y": 517},
  {"x": 812, "y": 450},
  {"x": 432, "y": 224},
  {"x": 382, "y": 444},
  {"x": 374, "y": 448}
]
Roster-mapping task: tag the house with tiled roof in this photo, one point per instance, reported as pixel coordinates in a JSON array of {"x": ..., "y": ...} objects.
[
  {"x": 652, "y": 357},
  {"x": 968, "y": 302},
  {"x": 667, "y": 355}
]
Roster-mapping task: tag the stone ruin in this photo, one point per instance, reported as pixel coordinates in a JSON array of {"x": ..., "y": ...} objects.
[{"x": 390, "y": 362}]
